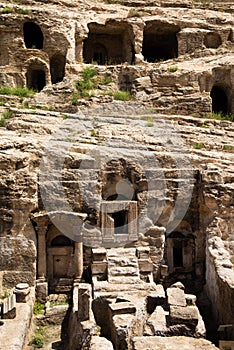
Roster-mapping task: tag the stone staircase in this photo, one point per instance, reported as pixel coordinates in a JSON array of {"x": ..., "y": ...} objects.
[{"x": 122, "y": 266}]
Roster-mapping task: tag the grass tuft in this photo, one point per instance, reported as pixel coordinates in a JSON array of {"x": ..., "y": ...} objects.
[
  {"x": 198, "y": 145},
  {"x": 18, "y": 91},
  {"x": 7, "y": 9},
  {"x": 221, "y": 116},
  {"x": 5, "y": 115},
  {"x": 121, "y": 95},
  {"x": 172, "y": 69}
]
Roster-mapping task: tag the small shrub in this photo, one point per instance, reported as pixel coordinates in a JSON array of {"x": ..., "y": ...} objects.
[
  {"x": 6, "y": 115},
  {"x": 198, "y": 145},
  {"x": 93, "y": 133},
  {"x": 74, "y": 99},
  {"x": 38, "y": 308},
  {"x": 121, "y": 95},
  {"x": 38, "y": 339},
  {"x": 3, "y": 102},
  {"x": 88, "y": 83},
  {"x": 26, "y": 104},
  {"x": 38, "y": 342},
  {"x": 172, "y": 69},
  {"x": 88, "y": 73},
  {"x": 7, "y": 10}
]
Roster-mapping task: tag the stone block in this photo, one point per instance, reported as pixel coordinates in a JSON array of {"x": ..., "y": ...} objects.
[
  {"x": 100, "y": 343},
  {"x": 190, "y": 299},
  {"x": 145, "y": 265},
  {"x": 143, "y": 252},
  {"x": 84, "y": 301},
  {"x": 122, "y": 308},
  {"x": 41, "y": 291},
  {"x": 176, "y": 297},
  {"x": 8, "y": 308},
  {"x": 172, "y": 343},
  {"x": 184, "y": 315},
  {"x": 98, "y": 267},
  {"x": 156, "y": 323},
  {"x": 156, "y": 298},
  {"x": 99, "y": 254}
]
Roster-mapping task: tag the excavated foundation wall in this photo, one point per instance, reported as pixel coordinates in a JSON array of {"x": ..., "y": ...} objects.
[{"x": 220, "y": 279}]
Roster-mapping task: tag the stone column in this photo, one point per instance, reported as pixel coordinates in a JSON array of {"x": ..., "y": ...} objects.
[
  {"x": 132, "y": 221},
  {"x": 41, "y": 252},
  {"x": 79, "y": 259}
]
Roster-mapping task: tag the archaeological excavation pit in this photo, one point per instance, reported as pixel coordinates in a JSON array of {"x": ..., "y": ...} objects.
[
  {"x": 33, "y": 36},
  {"x": 160, "y": 41},
  {"x": 109, "y": 44}
]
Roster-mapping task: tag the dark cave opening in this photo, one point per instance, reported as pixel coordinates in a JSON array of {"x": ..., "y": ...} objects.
[
  {"x": 33, "y": 36},
  {"x": 35, "y": 79},
  {"x": 159, "y": 42},
  {"x": 219, "y": 100}
]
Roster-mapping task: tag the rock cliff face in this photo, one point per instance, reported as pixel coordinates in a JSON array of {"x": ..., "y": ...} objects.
[
  {"x": 45, "y": 47},
  {"x": 153, "y": 175}
]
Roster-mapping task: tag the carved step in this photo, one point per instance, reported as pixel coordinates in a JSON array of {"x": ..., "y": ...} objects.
[{"x": 123, "y": 266}]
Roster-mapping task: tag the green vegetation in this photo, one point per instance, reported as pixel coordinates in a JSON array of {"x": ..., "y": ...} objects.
[
  {"x": 38, "y": 339},
  {"x": 198, "y": 145},
  {"x": 172, "y": 69},
  {"x": 5, "y": 295},
  {"x": 93, "y": 133},
  {"x": 149, "y": 124},
  {"x": 75, "y": 99},
  {"x": 86, "y": 85},
  {"x": 23, "y": 11},
  {"x": 56, "y": 303},
  {"x": 89, "y": 82},
  {"x": 121, "y": 95},
  {"x": 228, "y": 148},
  {"x": 38, "y": 308},
  {"x": 221, "y": 116},
  {"x": 18, "y": 91},
  {"x": 6, "y": 10},
  {"x": 3, "y": 102},
  {"x": 136, "y": 13},
  {"x": 20, "y": 11},
  {"x": 149, "y": 120},
  {"x": 105, "y": 80},
  {"x": 5, "y": 115}
]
